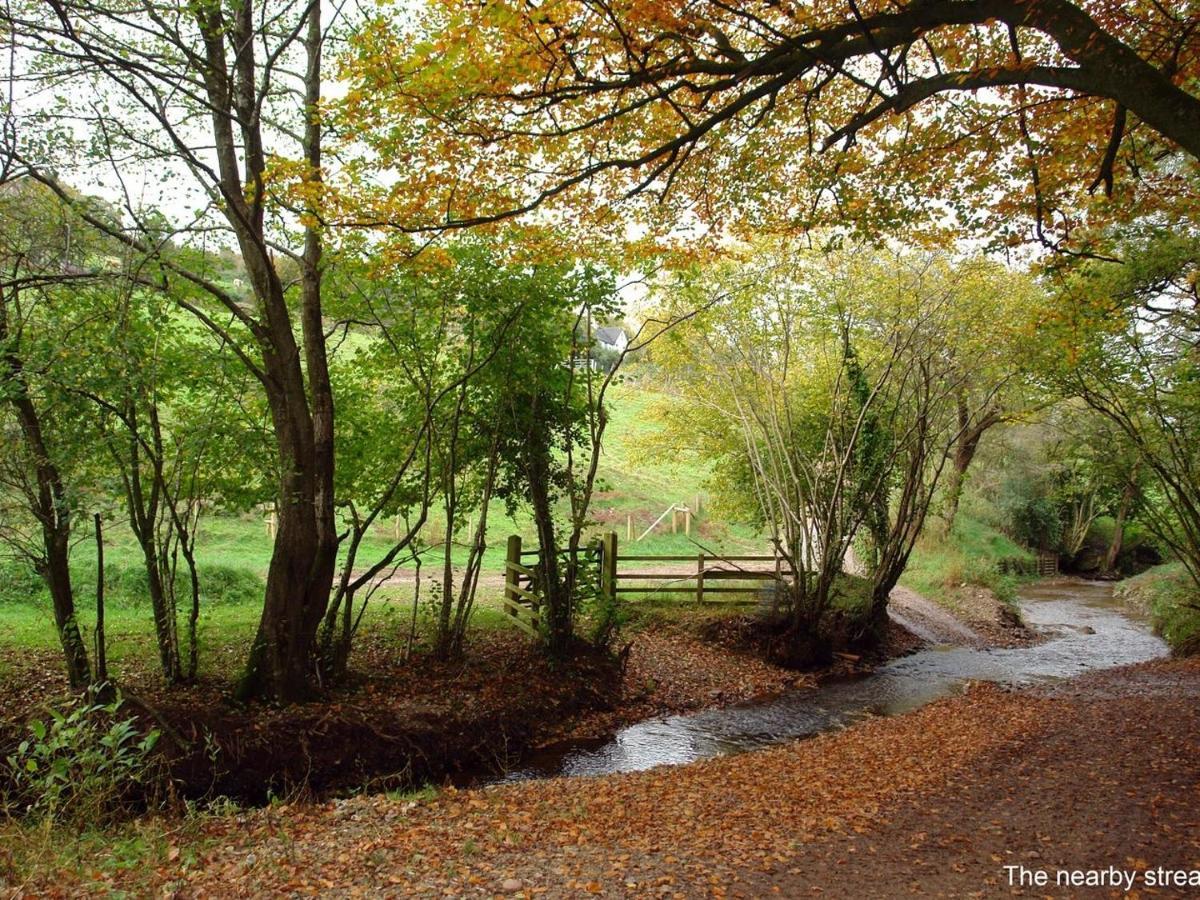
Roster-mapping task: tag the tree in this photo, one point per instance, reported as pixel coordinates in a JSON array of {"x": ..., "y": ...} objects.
[
  {"x": 118, "y": 404},
  {"x": 828, "y": 385},
  {"x": 994, "y": 385},
  {"x": 1126, "y": 506},
  {"x": 1130, "y": 332},
  {"x": 226, "y": 95},
  {"x": 773, "y": 379},
  {"x": 551, "y": 430},
  {"x": 46, "y": 448},
  {"x": 164, "y": 398},
  {"x": 1012, "y": 114},
  {"x": 420, "y": 394},
  {"x": 957, "y": 325}
]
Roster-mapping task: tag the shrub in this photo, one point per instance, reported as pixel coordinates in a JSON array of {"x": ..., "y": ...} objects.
[
  {"x": 127, "y": 585},
  {"x": 19, "y": 583},
  {"x": 1171, "y": 599},
  {"x": 84, "y": 765},
  {"x": 227, "y": 584},
  {"x": 1037, "y": 521}
]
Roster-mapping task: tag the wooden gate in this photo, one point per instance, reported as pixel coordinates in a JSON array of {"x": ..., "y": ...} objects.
[
  {"x": 709, "y": 577},
  {"x": 523, "y": 588},
  {"x": 1047, "y": 564}
]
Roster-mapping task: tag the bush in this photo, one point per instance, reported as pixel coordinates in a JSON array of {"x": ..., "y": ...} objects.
[
  {"x": 975, "y": 554},
  {"x": 128, "y": 585},
  {"x": 227, "y": 585},
  {"x": 82, "y": 766},
  {"x": 1169, "y": 596},
  {"x": 1036, "y": 521},
  {"x": 19, "y": 583}
]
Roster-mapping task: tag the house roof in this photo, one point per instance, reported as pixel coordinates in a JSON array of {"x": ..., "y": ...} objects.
[{"x": 611, "y": 334}]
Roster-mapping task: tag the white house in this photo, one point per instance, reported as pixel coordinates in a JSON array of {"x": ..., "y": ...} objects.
[{"x": 612, "y": 338}]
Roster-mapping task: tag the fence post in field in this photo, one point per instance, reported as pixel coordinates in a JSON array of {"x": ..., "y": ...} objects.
[
  {"x": 700, "y": 577},
  {"x": 512, "y": 558},
  {"x": 608, "y": 566},
  {"x": 674, "y": 520},
  {"x": 629, "y": 527},
  {"x": 687, "y": 520}
]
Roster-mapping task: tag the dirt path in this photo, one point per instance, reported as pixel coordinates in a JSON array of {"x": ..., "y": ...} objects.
[
  {"x": 935, "y": 803},
  {"x": 1111, "y": 780},
  {"x": 928, "y": 621},
  {"x": 492, "y": 581}
]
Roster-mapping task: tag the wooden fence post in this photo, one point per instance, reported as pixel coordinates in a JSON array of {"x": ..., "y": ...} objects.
[
  {"x": 700, "y": 577},
  {"x": 510, "y": 574},
  {"x": 629, "y": 527},
  {"x": 674, "y": 520},
  {"x": 608, "y": 566},
  {"x": 687, "y": 520}
]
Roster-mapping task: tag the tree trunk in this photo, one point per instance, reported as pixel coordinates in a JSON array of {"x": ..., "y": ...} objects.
[
  {"x": 299, "y": 579},
  {"x": 55, "y": 566},
  {"x": 143, "y": 509},
  {"x": 189, "y": 556},
  {"x": 101, "y": 648},
  {"x": 1118, "y": 537},
  {"x": 55, "y": 570},
  {"x": 49, "y": 505},
  {"x": 802, "y": 645},
  {"x": 282, "y": 663},
  {"x": 965, "y": 447},
  {"x": 954, "y": 487},
  {"x": 164, "y": 617},
  {"x": 559, "y": 625}
]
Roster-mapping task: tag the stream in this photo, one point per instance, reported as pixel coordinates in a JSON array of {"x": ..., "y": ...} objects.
[{"x": 1085, "y": 629}]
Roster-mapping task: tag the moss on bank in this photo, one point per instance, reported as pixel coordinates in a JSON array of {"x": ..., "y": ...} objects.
[{"x": 1170, "y": 597}]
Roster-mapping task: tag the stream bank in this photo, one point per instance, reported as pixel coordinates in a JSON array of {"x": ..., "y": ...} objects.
[
  {"x": 1042, "y": 766},
  {"x": 403, "y": 723},
  {"x": 1080, "y": 624},
  {"x": 1100, "y": 770}
]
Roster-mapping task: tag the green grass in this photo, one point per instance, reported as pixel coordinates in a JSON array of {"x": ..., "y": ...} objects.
[
  {"x": 972, "y": 554},
  {"x": 1171, "y": 598},
  {"x": 645, "y": 464},
  {"x": 427, "y": 793},
  {"x": 639, "y": 478},
  {"x": 34, "y": 850},
  {"x": 633, "y": 480}
]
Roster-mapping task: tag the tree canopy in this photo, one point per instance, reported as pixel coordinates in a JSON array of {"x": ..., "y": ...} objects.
[{"x": 1040, "y": 120}]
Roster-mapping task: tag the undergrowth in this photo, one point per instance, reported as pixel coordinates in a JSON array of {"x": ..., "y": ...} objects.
[
  {"x": 973, "y": 554},
  {"x": 1170, "y": 597}
]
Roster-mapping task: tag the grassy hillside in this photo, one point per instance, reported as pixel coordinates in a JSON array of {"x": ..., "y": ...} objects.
[
  {"x": 636, "y": 485},
  {"x": 1169, "y": 596},
  {"x": 973, "y": 554}
]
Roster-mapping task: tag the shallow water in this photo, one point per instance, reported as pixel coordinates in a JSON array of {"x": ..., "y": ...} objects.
[{"x": 1086, "y": 628}]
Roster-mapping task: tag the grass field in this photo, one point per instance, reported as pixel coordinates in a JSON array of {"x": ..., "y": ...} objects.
[
  {"x": 639, "y": 478},
  {"x": 638, "y": 481},
  {"x": 643, "y": 472}
]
